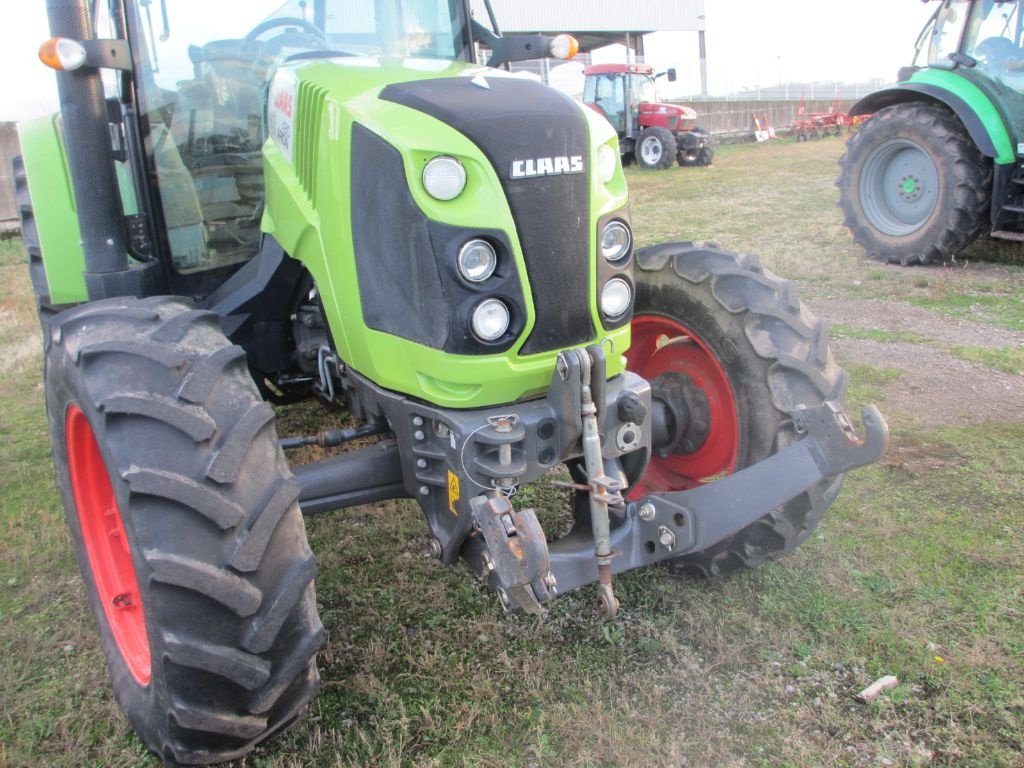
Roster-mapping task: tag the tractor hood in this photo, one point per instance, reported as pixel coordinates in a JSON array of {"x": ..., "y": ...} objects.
[
  {"x": 351, "y": 138},
  {"x": 660, "y": 108},
  {"x": 675, "y": 117}
]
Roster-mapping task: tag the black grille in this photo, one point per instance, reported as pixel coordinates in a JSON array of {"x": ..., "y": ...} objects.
[
  {"x": 399, "y": 284},
  {"x": 519, "y": 120}
]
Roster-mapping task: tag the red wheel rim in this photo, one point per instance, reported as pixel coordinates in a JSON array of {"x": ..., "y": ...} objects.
[
  {"x": 661, "y": 346},
  {"x": 106, "y": 545}
]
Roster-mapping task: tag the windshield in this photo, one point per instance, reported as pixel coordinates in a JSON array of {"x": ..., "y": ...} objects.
[
  {"x": 994, "y": 39},
  {"x": 202, "y": 68},
  {"x": 641, "y": 88},
  {"x": 945, "y": 31}
]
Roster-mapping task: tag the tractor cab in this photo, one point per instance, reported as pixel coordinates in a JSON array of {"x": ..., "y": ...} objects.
[
  {"x": 654, "y": 133},
  {"x": 984, "y": 39},
  {"x": 200, "y": 84}
]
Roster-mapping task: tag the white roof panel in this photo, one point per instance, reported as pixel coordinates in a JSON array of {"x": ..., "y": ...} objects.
[{"x": 594, "y": 15}]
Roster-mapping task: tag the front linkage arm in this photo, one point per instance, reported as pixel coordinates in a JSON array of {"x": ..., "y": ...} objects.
[{"x": 666, "y": 525}]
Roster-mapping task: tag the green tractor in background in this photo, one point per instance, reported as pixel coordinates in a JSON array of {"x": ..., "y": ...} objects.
[
  {"x": 254, "y": 203},
  {"x": 940, "y": 162}
]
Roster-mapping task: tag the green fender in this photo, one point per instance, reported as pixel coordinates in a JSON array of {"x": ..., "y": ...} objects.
[
  {"x": 970, "y": 103},
  {"x": 53, "y": 206}
]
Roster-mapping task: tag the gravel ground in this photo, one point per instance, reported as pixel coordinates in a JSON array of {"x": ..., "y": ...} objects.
[{"x": 936, "y": 388}]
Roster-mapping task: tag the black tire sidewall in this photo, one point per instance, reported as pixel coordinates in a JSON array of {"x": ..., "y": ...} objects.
[
  {"x": 934, "y": 130},
  {"x": 103, "y": 357},
  {"x": 65, "y": 389}
]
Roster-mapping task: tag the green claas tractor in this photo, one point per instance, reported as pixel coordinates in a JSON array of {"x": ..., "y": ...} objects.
[
  {"x": 940, "y": 161},
  {"x": 247, "y": 204}
]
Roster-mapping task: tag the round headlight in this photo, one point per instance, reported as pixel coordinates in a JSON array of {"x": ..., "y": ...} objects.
[
  {"x": 607, "y": 160},
  {"x": 615, "y": 297},
  {"x": 477, "y": 261},
  {"x": 615, "y": 241},
  {"x": 444, "y": 178},
  {"x": 490, "y": 320}
]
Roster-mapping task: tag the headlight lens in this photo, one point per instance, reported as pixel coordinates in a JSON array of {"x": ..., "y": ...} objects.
[
  {"x": 615, "y": 297},
  {"x": 607, "y": 161},
  {"x": 615, "y": 241},
  {"x": 477, "y": 261},
  {"x": 444, "y": 178},
  {"x": 490, "y": 320}
]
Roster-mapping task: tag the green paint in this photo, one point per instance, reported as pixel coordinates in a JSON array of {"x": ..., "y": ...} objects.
[
  {"x": 979, "y": 102},
  {"x": 324, "y": 244},
  {"x": 53, "y": 205}
]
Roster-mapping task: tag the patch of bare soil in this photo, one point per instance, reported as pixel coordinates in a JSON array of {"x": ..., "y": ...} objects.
[
  {"x": 892, "y": 316},
  {"x": 935, "y": 387}
]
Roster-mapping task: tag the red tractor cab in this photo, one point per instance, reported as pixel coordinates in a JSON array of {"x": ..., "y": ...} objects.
[{"x": 655, "y": 133}]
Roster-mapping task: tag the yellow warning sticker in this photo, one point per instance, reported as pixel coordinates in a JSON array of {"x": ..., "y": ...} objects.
[{"x": 453, "y": 492}]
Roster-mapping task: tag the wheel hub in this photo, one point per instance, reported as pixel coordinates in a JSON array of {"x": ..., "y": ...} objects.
[
  {"x": 688, "y": 379},
  {"x": 910, "y": 188},
  {"x": 686, "y": 413}
]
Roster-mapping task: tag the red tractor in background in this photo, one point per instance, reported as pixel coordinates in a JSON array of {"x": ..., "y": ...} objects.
[{"x": 655, "y": 133}]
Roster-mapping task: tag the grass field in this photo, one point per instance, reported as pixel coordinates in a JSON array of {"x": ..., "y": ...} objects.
[{"x": 918, "y": 571}]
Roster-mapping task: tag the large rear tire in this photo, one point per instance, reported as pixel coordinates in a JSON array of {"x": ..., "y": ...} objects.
[
  {"x": 186, "y": 526},
  {"x": 736, "y": 344},
  {"x": 913, "y": 186},
  {"x": 655, "y": 149}
]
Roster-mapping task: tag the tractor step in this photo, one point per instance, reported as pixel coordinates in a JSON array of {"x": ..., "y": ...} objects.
[{"x": 1004, "y": 234}]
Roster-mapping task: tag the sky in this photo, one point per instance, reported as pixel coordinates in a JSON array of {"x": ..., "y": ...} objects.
[{"x": 750, "y": 43}]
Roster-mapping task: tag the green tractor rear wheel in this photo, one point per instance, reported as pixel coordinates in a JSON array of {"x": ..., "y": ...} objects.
[
  {"x": 736, "y": 344},
  {"x": 914, "y": 188},
  {"x": 186, "y": 526}
]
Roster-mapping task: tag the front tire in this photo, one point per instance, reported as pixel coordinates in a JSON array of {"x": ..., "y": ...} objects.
[
  {"x": 702, "y": 155},
  {"x": 735, "y": 342},
  {"x": 913, "y": 186},
  {"x": 655, "y": 149},
  {"x": 186, "y": 526}
]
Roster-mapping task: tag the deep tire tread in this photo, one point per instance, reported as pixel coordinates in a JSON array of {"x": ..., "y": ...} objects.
[
  {"x": 224, "y": 587},
  {"x": 263, "y": 629},
  {"x": 223, "y": 512},
  {"x": 244, "y": 669},
  {"x": 218, "y": 537},
  {"x": 189, "y": 419},
  {"x": 795, "y": 363},
  {"x": 227, "y": 461},
  {"x": 961, "y": 215},
  {"x": 252, "y": 541}
]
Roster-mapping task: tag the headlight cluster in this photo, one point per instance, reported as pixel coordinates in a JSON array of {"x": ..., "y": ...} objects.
[
  {"x": 615, "y": 297},
  {"x": 616, "y": 248},
  {"x": 476, "y": 262},
  {"x": 607, "y": 162},
  {"x": 444, "y": 178}
]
